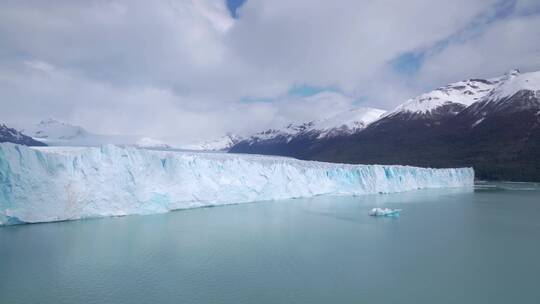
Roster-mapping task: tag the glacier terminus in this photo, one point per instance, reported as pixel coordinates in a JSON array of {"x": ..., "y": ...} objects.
[{"x": 63, "y": 183}]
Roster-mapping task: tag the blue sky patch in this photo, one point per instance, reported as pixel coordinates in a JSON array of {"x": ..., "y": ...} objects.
[
  {"x": 408, "y": 63},
  {"x": 233, "y": 6},
  {"x": 306, "y": 90}
]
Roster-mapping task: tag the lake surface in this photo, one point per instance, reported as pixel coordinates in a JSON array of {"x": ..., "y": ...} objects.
[{"x": 448, "y": 246}]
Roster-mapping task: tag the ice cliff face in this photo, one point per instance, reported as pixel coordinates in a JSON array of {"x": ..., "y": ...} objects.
[{"x": 52, "y": 184}]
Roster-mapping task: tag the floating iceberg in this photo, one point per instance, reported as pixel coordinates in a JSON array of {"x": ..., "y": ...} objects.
[
  {"x": 62, "y": 183},
  {"x": 385, "y": 212}
]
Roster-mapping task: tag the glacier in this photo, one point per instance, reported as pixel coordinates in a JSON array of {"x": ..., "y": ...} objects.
[
  {"x": 385, "y": 212},
  {"x": 64, "y": 183}
]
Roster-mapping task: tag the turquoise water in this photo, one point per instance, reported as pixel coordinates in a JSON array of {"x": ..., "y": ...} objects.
[{"x": 450, "y": 246}]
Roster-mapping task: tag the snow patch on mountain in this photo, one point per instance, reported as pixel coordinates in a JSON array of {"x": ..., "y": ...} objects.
[
  {"x": 517, "y": 93},
  {"x": 344, "y": 123},
  {"x": 464, "y": 93},
  {"x": 515, "y": 83},
  {"x": 479, "y": 121},
  {"x": 348, "y": 122},
  {"x": 12, "y": 135},
  {"x": 57, "y": 133},
  {"x": 10, "y": 132},
  {"x": 52, "y": 129},
  {"x": 221, "y": 144}
]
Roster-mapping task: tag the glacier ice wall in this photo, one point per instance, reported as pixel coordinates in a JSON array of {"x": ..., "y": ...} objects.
[{"x": 52, "y": 184}]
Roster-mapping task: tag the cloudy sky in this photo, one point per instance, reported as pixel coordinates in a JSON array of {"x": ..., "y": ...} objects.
[{"x": 184, "y": 70}]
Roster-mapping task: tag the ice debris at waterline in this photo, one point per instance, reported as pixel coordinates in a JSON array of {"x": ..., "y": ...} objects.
[
  {"x": 62, "y": 183},
  {"x": 385, "y": 212}
]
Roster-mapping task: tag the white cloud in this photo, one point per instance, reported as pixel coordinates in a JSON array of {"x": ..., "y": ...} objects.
[
  {"x": 40, "y": 90},
  {"x": 342, "y": 43},
  {"x": 504, "y": 45},
  {"x": 180, "y": 69}
]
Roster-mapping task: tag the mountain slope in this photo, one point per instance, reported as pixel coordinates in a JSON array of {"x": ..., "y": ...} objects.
[
  {"x": 295, "y": 138},
  {"x": 498, "y": 135},
  {"x": 57, "y": 133},
  {"x": 492, "y": 125},
  {"x": 221, "y": 144},
  {"x": 454, "y": 97},
  {"x": 438, "y": 104},
  {"x": 51, "y": 129},
  {"x": 11, "y": 135}
]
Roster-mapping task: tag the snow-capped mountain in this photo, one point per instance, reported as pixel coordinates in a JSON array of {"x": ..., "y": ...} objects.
[
  {"x": 491, "y": 124},
  {"x": 345, "y": 123},
  {"x": 55, "y": 129},
  {"x": 221, "y": 144},
  {"x": 296, "y": 139},
  {"x": 498, "y": 134},
  {"x": 57, "y": 133},
  {"x": 450, "y": 99},
  {"x": 11, "y": 135},
  {"x": 518, "y": 92}
]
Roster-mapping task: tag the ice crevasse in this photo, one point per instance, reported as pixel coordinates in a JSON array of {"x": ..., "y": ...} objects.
[{"x": 53, "y": 184}]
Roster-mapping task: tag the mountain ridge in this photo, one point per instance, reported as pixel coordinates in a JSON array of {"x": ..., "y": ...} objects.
[
  {"x": 344, "y": 123},
  {"x": 12, "y": 135},
  {"x": 497, "y": 134},
  {"x": 57, "y": 133}
]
